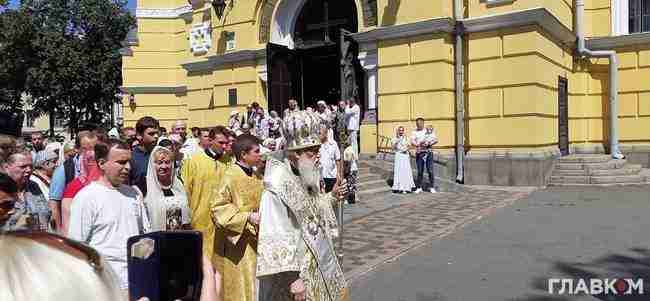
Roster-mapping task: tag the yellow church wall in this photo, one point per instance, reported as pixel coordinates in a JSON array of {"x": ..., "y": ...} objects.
[
  {"x": 415, "y": 79},
  {"x": 512, "y": 77},
  {"x": 634, "y": 96},
  {"x": 598, "y": 18},
  {"x": 394, "y": 12}
]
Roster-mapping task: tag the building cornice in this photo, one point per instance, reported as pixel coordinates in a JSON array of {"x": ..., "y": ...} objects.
[
  {"x": 535, "y": 16},
  {"x": 162, "y": 89},
  {"x": 604, "y": 43},
  {"x": 214, "y": 61},
  {"x": 405, "y": 30},
  {"x": 163, "y": 13}
]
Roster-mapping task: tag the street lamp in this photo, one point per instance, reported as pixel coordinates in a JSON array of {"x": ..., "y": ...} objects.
[{"x": 219, "y": 6}]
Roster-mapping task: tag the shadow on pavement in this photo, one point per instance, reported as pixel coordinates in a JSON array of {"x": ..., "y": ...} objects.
[{"x": 635, "y": 265}]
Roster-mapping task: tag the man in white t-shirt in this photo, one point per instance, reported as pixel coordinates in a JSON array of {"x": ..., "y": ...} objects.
[
  {"x": 106, "y": 213},
  {"x": 422, "y": 139},
  {"x": 353, "y": 117},
  {"x": 330, "y": 160}
]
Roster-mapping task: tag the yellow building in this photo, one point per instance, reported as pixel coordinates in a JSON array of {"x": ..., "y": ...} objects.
[{"x": 512, "y": 95}]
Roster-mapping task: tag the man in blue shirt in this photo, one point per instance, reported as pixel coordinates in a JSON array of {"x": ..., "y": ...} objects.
[
  {"x": 147, "y": 132},
  {"x": 67, "y": 172}
]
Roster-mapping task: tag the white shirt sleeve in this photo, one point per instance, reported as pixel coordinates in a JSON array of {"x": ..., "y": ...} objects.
[{"x": 82, "y": 218}]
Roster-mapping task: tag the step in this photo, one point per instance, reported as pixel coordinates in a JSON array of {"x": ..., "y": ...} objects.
[
  {"x": 373, "y": 191},
  {"x": 372, "y": 184},
  {"x": 363, "y": 170},
  {"x": 371, "y": 177},
  {"x": 629, "y": 169},
  {"x": 617, "y": 179},
  {"x": 611, "y": 164},
  {"x": 584, "y": 159},
  {"x": 568, "y": 180}
]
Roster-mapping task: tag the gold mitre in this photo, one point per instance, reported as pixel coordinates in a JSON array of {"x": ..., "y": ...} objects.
[{"x": 301, "y": 130}]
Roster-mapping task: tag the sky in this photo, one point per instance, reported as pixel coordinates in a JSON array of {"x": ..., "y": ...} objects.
[{"x": 131, "y": 5}]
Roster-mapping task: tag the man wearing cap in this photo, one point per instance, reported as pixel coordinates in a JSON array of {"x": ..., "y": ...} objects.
[
  {"x": 297, "y": 223},
  {"x": 44, "y": 164}
]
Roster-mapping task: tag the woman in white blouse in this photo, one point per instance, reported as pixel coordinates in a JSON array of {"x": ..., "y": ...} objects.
[
  {"x": 166, "y": 200},
  {"x": 402, "y": 173}
]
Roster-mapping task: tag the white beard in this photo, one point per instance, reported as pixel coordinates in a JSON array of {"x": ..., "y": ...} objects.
[{"x": 310, "y": 176}]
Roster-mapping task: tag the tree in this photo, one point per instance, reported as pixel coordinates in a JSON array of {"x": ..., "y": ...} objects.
[
  {"x": 77, "y": 64},
  {"x": 16, "y": 58}
]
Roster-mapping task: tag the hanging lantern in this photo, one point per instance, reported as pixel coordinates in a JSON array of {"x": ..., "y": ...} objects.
[
  {"x": 219, "y": 6},
  {"x": 132, "y": 103}
]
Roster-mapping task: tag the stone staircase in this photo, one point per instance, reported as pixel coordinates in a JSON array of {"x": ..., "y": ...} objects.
[
  {"x": 595, "y": 170},
  {"x": 372, "y": 179}
]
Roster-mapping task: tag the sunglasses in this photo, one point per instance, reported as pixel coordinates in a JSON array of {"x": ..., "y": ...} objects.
[
  {"x": 8, "y": 204},
  {"x": 66, "y": 245}
]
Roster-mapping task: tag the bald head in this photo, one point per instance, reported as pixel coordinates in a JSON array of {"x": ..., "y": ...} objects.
[{"x": 180, "y": 128}]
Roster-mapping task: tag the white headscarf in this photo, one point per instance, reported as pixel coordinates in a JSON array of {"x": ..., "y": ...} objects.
[{"x": 155, "y": 197}]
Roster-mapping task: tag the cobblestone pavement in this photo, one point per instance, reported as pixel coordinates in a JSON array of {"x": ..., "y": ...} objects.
[{"x": 380, "y": 229}]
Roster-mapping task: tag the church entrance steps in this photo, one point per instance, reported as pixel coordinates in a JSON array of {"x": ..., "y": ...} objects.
[
  {"x": 372, "y": 184},
  {"x": 612, "y": 164},
  {"x": 629, "y": 169},
  {"x": 595, "y": 170},
  {"x": 584, "y": 159},
  {"x": 371, "y": 177}
]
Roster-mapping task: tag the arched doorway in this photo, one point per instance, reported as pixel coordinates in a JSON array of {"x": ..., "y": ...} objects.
[{"x": 306, "y": 63}]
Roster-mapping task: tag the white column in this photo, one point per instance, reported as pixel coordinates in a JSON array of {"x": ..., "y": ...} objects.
[{"x": 368, "y": 60}]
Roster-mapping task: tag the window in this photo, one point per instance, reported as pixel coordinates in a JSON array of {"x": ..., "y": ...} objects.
[
  {"x": 639, "y": 16},
  {"x": 232, "y": 97},
  {"x": 230, "y": 40}
]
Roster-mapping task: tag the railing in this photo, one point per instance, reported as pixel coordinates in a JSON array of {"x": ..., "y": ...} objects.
[{"x": 385, "y": 147}]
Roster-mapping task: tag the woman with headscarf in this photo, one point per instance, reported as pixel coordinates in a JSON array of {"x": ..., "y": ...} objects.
[
  {"x": 166, "y": 200},
  {"x": 402, "y": 173}
]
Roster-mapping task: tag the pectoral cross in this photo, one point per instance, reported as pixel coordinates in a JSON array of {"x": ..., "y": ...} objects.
[{"x": 327, "y": 23}]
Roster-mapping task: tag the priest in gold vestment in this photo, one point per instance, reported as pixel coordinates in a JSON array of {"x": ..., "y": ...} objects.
[
  {"x": 296, "y": 258},
  {"x": 235, "y": 213},
  {"x": 202, "y": 174}
]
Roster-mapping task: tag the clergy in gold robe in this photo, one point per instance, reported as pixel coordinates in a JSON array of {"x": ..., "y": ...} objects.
[
  {"x": 235, "y": 213},
  {"x": 202, "y": 175},
  {"x": 296, "y": 257}
]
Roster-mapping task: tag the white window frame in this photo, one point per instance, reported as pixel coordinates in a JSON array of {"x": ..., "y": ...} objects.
[{"x": 620, "y": 17}]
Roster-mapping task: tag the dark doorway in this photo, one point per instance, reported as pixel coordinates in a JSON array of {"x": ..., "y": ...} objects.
[
  {"x": 282, "y": 76},
  {"x": 312, "y": 71},
  {"x": 563, "y": 115}
]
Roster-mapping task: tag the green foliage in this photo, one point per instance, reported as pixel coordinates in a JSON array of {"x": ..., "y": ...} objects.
[{"x": 71, "y": 52}]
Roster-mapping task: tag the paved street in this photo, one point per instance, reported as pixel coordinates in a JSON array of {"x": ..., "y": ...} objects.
[
  {"x": 381, "y": 228},
  {"x": 509, "y": 254}
]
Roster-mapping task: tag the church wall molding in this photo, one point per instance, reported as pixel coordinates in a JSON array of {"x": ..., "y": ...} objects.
[
  {"x": 405, "y": 30},
  {"x": 164, "y": 13},
  {"x": 619, "y": 41},
  {"x": 162, "y": 89},
  {"x": 535, "y": 16},
  {"x": 214, "y": 61}
]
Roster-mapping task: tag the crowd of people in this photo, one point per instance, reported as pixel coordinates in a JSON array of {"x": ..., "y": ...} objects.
[{"x": 261, "y": 189}]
